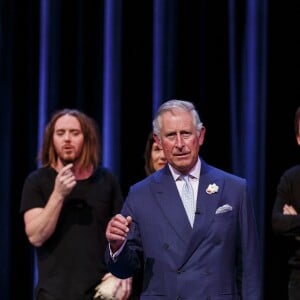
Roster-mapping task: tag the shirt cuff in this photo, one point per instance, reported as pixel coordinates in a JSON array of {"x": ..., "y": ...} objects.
[{"x": 114, "y": 256}]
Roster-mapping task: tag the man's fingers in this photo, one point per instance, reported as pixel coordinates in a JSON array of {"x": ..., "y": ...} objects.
[{"x": 289, "y": 210}]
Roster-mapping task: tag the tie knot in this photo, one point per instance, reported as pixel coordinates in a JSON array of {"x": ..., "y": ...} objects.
[{"x": 186, "y": 178}]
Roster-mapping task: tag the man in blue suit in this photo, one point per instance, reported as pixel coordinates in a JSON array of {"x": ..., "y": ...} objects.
[{"x": 205, "y": 250}]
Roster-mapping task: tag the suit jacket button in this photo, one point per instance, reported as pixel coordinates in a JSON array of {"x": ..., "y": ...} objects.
[{"x": 165, "y": 246}]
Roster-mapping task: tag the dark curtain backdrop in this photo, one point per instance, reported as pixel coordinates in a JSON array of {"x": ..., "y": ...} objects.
[{"x": 117, "y": 61}]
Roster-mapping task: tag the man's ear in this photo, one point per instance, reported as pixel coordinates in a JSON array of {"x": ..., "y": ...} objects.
[
  {"x": 202, "y": 135},
  {"x": 298, "y": 139}
]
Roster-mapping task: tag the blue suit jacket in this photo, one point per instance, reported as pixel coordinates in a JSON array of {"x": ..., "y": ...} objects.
[{"x": 216, "y": 259}]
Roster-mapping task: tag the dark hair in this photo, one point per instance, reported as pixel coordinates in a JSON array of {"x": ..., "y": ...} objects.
[
  {"x": 91, "y": 146},
  {"x": 149, "y": 169},
  {"x": 297, "y": 120}
]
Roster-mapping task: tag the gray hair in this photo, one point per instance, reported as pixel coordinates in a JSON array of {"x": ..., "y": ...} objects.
[{"x": 171, "y": 106}]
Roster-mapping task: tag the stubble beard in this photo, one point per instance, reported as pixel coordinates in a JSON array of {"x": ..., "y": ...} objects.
[{"x": 67, "y": 159}]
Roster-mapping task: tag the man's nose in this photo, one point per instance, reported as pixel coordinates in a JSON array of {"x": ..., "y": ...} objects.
[
  {"x": 67, "y": 135},
  {"x": 179, "y": 141}
]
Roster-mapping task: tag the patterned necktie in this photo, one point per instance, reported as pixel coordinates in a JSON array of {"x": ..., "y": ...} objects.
[{"x": 187, "y": 196}]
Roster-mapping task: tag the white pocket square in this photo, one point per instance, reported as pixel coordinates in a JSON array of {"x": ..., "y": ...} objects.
[{"x": 223, "y": 209}]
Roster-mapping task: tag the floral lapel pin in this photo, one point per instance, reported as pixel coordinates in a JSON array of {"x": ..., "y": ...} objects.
[{"x": 212, "y": 188}]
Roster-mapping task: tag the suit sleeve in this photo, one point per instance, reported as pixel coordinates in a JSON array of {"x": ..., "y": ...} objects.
[
  {"x": 250, "y": 257},
  {"x": 128, "y": 262}
]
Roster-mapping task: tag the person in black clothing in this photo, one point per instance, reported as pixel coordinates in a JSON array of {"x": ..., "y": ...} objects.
[
  {"x": 66, "y": 205},
  {"x": 286, "y": 218}
]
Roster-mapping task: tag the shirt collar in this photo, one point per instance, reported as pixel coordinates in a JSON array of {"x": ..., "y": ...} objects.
[{"x": 194, "y": 173}]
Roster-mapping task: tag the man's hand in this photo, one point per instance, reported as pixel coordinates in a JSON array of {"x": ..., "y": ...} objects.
[
  {"x": 113, "y": 288},
  {"x": 65, "y": 181},
  {"x": 116, "y": 231},
  {"x": 289, "y": 210}
]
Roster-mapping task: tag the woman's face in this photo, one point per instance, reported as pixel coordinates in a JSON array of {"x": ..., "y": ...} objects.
[{"x": 157, "y": 157}]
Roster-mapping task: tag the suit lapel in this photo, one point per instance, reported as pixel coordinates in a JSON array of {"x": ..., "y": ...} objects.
[
  {"x": 206, "y": 207},
  {"x": 169, "y": 200}
]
